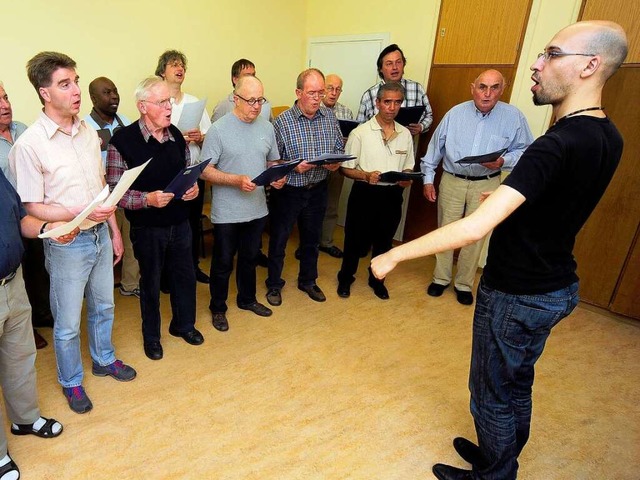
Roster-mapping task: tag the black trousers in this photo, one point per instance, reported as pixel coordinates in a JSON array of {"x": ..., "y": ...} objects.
[
  {"x": 168, "y": 248},
  {"x": 229, "y": 238},
  {"x": 373, "y": 215}
]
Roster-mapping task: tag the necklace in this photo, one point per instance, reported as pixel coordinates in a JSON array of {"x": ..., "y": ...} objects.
[{"x": 579, "y": 111}]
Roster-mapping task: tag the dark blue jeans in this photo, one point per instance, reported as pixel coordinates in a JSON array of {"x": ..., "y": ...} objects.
[
  {"x": 509, "y": 334},
  {"x": 307, "y": 207},
  {"x": 229, "y": 238},
  {"x": 169, "y": 248}
]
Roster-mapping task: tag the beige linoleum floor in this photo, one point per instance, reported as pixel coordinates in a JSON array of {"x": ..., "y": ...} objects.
[{"x": 353, "y": 388}]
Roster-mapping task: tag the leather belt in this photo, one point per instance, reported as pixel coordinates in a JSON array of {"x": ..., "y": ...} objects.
[
  {"x": 309, "y": 186},
  {"x": 475, "y": 179},
  {"x": 7, "y": 279}
]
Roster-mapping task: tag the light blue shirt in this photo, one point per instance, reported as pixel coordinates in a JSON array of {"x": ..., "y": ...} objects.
[
  {"x": 109, "y": 126},
  {"x": 465, "y": 131},
  {"x": 16, "y": 129}
]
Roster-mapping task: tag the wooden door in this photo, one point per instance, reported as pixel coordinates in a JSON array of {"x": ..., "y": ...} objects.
[
  {"x": 606, "y": 248},
  {"x": 470, "y": 38}
]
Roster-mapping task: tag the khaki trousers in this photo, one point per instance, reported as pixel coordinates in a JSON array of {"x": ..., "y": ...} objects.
[
  {"x": 17, "y": 357},
  {"x": 458, "y": 198},
  {"x": 130, "y": 278}
]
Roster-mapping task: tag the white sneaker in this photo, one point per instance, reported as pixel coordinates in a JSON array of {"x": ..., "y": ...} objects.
[{"x": 129, "y": 293}]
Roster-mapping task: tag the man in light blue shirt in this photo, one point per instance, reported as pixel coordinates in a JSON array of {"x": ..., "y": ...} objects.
[
  {"x": 104, "y": 118},
  {"x": 480, "y": 126}
]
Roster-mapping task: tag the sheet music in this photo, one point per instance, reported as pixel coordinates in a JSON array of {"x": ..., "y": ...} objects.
[{"x": 191, "y": 115}]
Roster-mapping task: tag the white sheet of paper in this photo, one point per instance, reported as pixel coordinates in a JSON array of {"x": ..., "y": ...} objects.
[
  {"x": 68, "y": 227},
  {"x": 123, "y": 185},
  {"x": 191, "y": 115}
]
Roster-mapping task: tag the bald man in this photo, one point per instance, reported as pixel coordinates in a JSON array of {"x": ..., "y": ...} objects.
[
  {"x": 529, "y": 283},
  {"x": 479, "y": 126},
  {"x": 241, "y": 145}
]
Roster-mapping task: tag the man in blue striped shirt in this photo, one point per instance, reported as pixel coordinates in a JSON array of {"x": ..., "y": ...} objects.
[
  {"x": 479, "y": 126},
  {"x": 305, "y": 131},
  {"x": 391, "y": 62}
]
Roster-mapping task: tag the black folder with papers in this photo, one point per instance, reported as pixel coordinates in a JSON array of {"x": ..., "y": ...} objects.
[
  {"x": 347, "y": 126},
  {"x": 487, "y": 157},
  {"x": 275, "y": 173},
  {"x": 329, "y": 158},
  {"x": 393, "y": 177},
  {"x": 408, "y": 115},
  {"x": 185, "y": 179}
]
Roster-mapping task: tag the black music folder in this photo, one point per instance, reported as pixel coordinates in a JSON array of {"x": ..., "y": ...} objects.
[
  {"x": 185, "y": 179},
  {"x": 487, "y": 157},
  {"x": 408, "y": 115},
  {"x": 275, "y": 172}
]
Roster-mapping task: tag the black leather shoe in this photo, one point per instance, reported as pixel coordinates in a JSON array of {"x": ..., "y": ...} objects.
[
  {"x": 380, "y": 290},
  {"x": 334, "y": 251},
  {"x": 274, "y": 297},
  {"x": 313, "y": 291},
  {"x": 219, "y": 321},
  {"x": 257, "y": 308},
  {"x": 193, "y": 337},
  {"x": 465, "y": 298},
  {"x": 201, "y": 276},
  {"x": 435, "y": 289},
  {"x": 153, "y": 350},
  {"x": 447, "y": 472},
  {"x": 344, "y": 290},
  {"x": 469, "y": 451}
]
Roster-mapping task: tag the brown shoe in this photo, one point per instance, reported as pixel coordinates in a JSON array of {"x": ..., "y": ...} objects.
[{"x": 39, "y": 339}]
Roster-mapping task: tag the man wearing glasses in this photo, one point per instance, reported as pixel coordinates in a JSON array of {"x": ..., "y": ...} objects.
[
  {"x": 480, "y": 126},
  {"x": 305, "y": 131},
  {"x": 391, "y": 63},
  {"x": 160, "y": 231},
  {"x": 58, "y": 170},
  {"x": 240, "y": 145},
  {"x": 529, "y": 283}
]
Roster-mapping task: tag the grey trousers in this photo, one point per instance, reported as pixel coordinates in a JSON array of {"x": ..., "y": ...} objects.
[{"x": 17, "y": 357}]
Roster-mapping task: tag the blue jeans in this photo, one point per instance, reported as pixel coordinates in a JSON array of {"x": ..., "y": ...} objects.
[
  {"x": 509, "y": 334},
  {"x": 229, "y": 238},
  {"x": 82, "y": 268},
  {"x": 307, "y": 207}
]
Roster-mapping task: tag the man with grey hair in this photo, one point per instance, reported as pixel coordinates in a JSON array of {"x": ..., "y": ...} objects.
[
  {"x": 160, "y": 231},
  {"x": 58, "y": 171},
  {"x": 241, "y": 145},
  {"x": 480, "y": 126},
  {"x": 307, "y": 130},
  {"x": 529, "y": 283}
]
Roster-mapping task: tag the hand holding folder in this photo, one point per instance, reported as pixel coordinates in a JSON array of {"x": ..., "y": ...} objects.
[{"x": 275, "y": 172}]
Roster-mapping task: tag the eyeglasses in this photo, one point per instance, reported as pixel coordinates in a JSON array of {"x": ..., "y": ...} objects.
[
  {"x": 253, "y": 101},
  {"x": 176, "y": 64},
  {"x": 320, "y": 94},
  {"x": 548, "y": 55},
  {"x": 332, "y": 89},
  {"x": 166, "y": 103}
]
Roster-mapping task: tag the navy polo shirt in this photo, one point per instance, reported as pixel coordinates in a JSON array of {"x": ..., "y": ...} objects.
[{"x": 11, "y": 212}]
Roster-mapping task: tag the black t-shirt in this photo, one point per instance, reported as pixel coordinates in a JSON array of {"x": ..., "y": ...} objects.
[{"x": 562, "y": 175}]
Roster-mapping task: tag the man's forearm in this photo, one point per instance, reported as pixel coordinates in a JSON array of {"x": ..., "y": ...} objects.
[{"x": 50, "y": 213}]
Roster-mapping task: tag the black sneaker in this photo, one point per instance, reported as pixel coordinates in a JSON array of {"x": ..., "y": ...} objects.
[
  {"x": 78, "y": 400},
  {"x": 117, "y": 370}
]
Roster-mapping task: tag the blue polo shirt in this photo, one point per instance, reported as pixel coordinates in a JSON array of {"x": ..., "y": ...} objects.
[{"x": 11, "y": 212}]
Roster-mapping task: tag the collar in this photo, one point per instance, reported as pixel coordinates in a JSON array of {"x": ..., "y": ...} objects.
[
  {"x": 146, "y": 133},
  {"x": 98, "y": 119},
  {"x": 297, "y": 112},
  {"x": 51, "y": 127},
  {"x": 376, "y": 126}
]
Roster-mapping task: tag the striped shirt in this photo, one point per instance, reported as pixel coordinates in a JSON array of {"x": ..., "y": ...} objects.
[
  {"x": 465, "y": 131},
  {"x": 414, "y": 96},
  {"x": 307, "y": 138},
  {"x": 342, "y": 112}
]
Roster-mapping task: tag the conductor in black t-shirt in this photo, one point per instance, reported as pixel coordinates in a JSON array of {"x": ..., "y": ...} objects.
[{"x": 529, "y": 283}]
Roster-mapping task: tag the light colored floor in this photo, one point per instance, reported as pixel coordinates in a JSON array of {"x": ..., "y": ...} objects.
[{"x": 354, "y": 388}]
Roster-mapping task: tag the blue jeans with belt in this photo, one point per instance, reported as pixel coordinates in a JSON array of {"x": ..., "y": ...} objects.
[
  {"x": 81, "y": 268},
  {"x": 509, "y": 334}
]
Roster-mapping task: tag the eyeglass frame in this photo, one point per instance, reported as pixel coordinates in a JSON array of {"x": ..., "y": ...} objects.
[
  {"x": 319, "y": 93},
  {"x": 251, "y": 102},
  {"x": 160, "y": 103},
  {"x": 549, "y": 55},
  {"x": 332, "y": 89}
]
